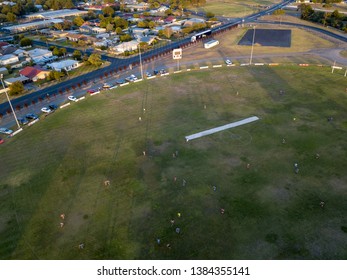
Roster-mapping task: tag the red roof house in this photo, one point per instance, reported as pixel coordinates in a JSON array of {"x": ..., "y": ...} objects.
[{"x": 34, "y": 73}]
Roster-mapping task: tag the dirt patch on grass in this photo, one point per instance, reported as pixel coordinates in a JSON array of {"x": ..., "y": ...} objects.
[
  {"x": 339, "y": 185},
  {"x": 343, "y": 53}
]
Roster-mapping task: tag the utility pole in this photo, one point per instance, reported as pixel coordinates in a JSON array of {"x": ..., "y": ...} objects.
[
  {"x": 9, "y": 101},
  {"x": 140, "y": 61},
  {"x": 250, "y": 60}
]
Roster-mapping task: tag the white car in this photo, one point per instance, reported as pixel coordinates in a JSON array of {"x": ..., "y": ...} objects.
[
  {"x": 228, "y": 62},
  {"x": 133, "y": 77},
  {"x": 46, "y": 110},
  {"x": 5, "y": 130},
  {"x": 148, "y": 74},
  {"x": 72, "y": 98}
]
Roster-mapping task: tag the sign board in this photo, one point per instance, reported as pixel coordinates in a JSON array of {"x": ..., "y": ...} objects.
[{"x": 177, "y": 54}]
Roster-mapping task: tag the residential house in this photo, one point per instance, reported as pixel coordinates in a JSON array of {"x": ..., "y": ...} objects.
[
  {"x": 8, "y": 59},
  {"x": 98, "y": 30},
  {"x": 103, "y": 43},
  {"x": 170, "y": 19},
  {"x": 147, "y": 39},
  {"x": 21, "y": 79},
  {"x": 74, "y": 37},
  {"x": 66, "y": 65},
  {"x": 9, "y": 49},
  {"x": 34, "y": 73},
  {"x": 3, "y": 71},
  {"x": 20, "y": 53},
  {"x": 192, "y": 21},
  {"x": 40, "y": 55},
  {"x": 138, "y": 7},
  {"x": 102, "y": 35},
  {"x": 125, "y": 46},
  {"x": 86, "y": 29},
  {"x": 160, "y": 10},
  {"x": 139, "y": 32}
]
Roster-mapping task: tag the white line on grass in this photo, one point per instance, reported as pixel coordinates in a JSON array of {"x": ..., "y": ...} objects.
[{"x": 220, "y": 128}]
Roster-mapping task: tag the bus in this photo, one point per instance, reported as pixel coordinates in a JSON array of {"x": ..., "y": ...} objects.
[
  {"x": 200, "y": 35},
  {"x": 211, "y": 44}
]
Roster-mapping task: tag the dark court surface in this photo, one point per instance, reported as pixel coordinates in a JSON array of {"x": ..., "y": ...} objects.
[{"x": 267, "y": 37}]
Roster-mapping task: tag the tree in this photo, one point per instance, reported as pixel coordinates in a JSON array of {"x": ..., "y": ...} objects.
[
  {"x": 143, "y": 46},
  {"x": 58, "y": 75},
  {"x": 16, "y": 88},
  {"x": 67, "y": 25},
  {"x": 77, "y": 55},
  {"x": 279, "y": 12},
  {"x": 56, "y": 51},
  {"x": 11, "y": 17},
  {"x": 109, "y": 27},
  {"x": 78, "y": 21},
  {"x": 95, "y": 59},
  {"x": 119, "y": 30},
  {"x": 125, "y": 38},
  {"x": 25, "y": 42},
  {"x": 108, "y": 11},
  {"x": 209, "y": 14},
  {"x": 62, "y": 52},
  {"x": 151, "y": 24},
  {"x": 142, "y": 24},
  {"x": 167, "y": 32},
  {"x": 306, "y": 11},
  {"x": 58, "y": 26}
]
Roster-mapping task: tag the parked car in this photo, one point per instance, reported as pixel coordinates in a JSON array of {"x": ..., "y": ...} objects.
[
  {"x": 72, "y": 98},
  {"x": 120, "y": 82},
  {"x": 46, "y": 110},
  {"x": 22, "y": 121},
  {"x": 148, "y": 74},
  {"x": 155, "y": 72},
  {"x": 162, "y": 71},
  {"x": 106, "y": 85},
  {"x": 228, "y": 62},
  {"x": 2, "y": 141},
  {"x": 31, "y": 116},
  {"x": 53, "y": 107},
  {"x": 5, "y": 130},
  {"x": 133, "y": 77},
  {"x": 91, "y": 90}
]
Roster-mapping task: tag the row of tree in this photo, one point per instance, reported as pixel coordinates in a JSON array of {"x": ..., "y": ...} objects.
[
  {"x": 324, "y": 1},
  {"x": 334, "y": 19},
  {"x": 23, "y": 7}
]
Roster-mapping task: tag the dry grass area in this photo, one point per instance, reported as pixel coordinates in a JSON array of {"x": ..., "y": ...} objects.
[
  {"x": 295, "y": 19},
  {"x": 302, "y": 42},
  {"x": 344, "y": 53},
  {"x": 231, "y": 8}
]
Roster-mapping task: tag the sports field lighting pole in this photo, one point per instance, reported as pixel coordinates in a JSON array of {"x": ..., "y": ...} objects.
[
  {"x": 8, "y": 99},
  {"x": 140, "y": 61},
  {"x": 250, "y": 60}
]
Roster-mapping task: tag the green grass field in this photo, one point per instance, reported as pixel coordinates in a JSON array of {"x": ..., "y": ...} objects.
[
  {"x": 232, "y": 8},
  {"x": 60, "y": 164}
]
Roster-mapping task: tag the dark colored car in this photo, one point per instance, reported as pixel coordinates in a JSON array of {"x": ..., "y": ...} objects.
[
  {"x": 53, "y": 107},
  {"x": 155, "y": 72},
  {"x": 31, "y": 116},
  {"x": 120, "y": 82},
  {"x": 23, "y": 121}
]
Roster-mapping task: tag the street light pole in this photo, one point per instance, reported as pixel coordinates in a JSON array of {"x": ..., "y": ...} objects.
[
  {"x": 250, "y": 60},
  {"x": 140, "y": 62},
  {"x": 9, "y": 101}
]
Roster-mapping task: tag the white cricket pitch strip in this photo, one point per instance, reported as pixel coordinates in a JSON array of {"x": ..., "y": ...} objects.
[{"x": 221, "y": 128}]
